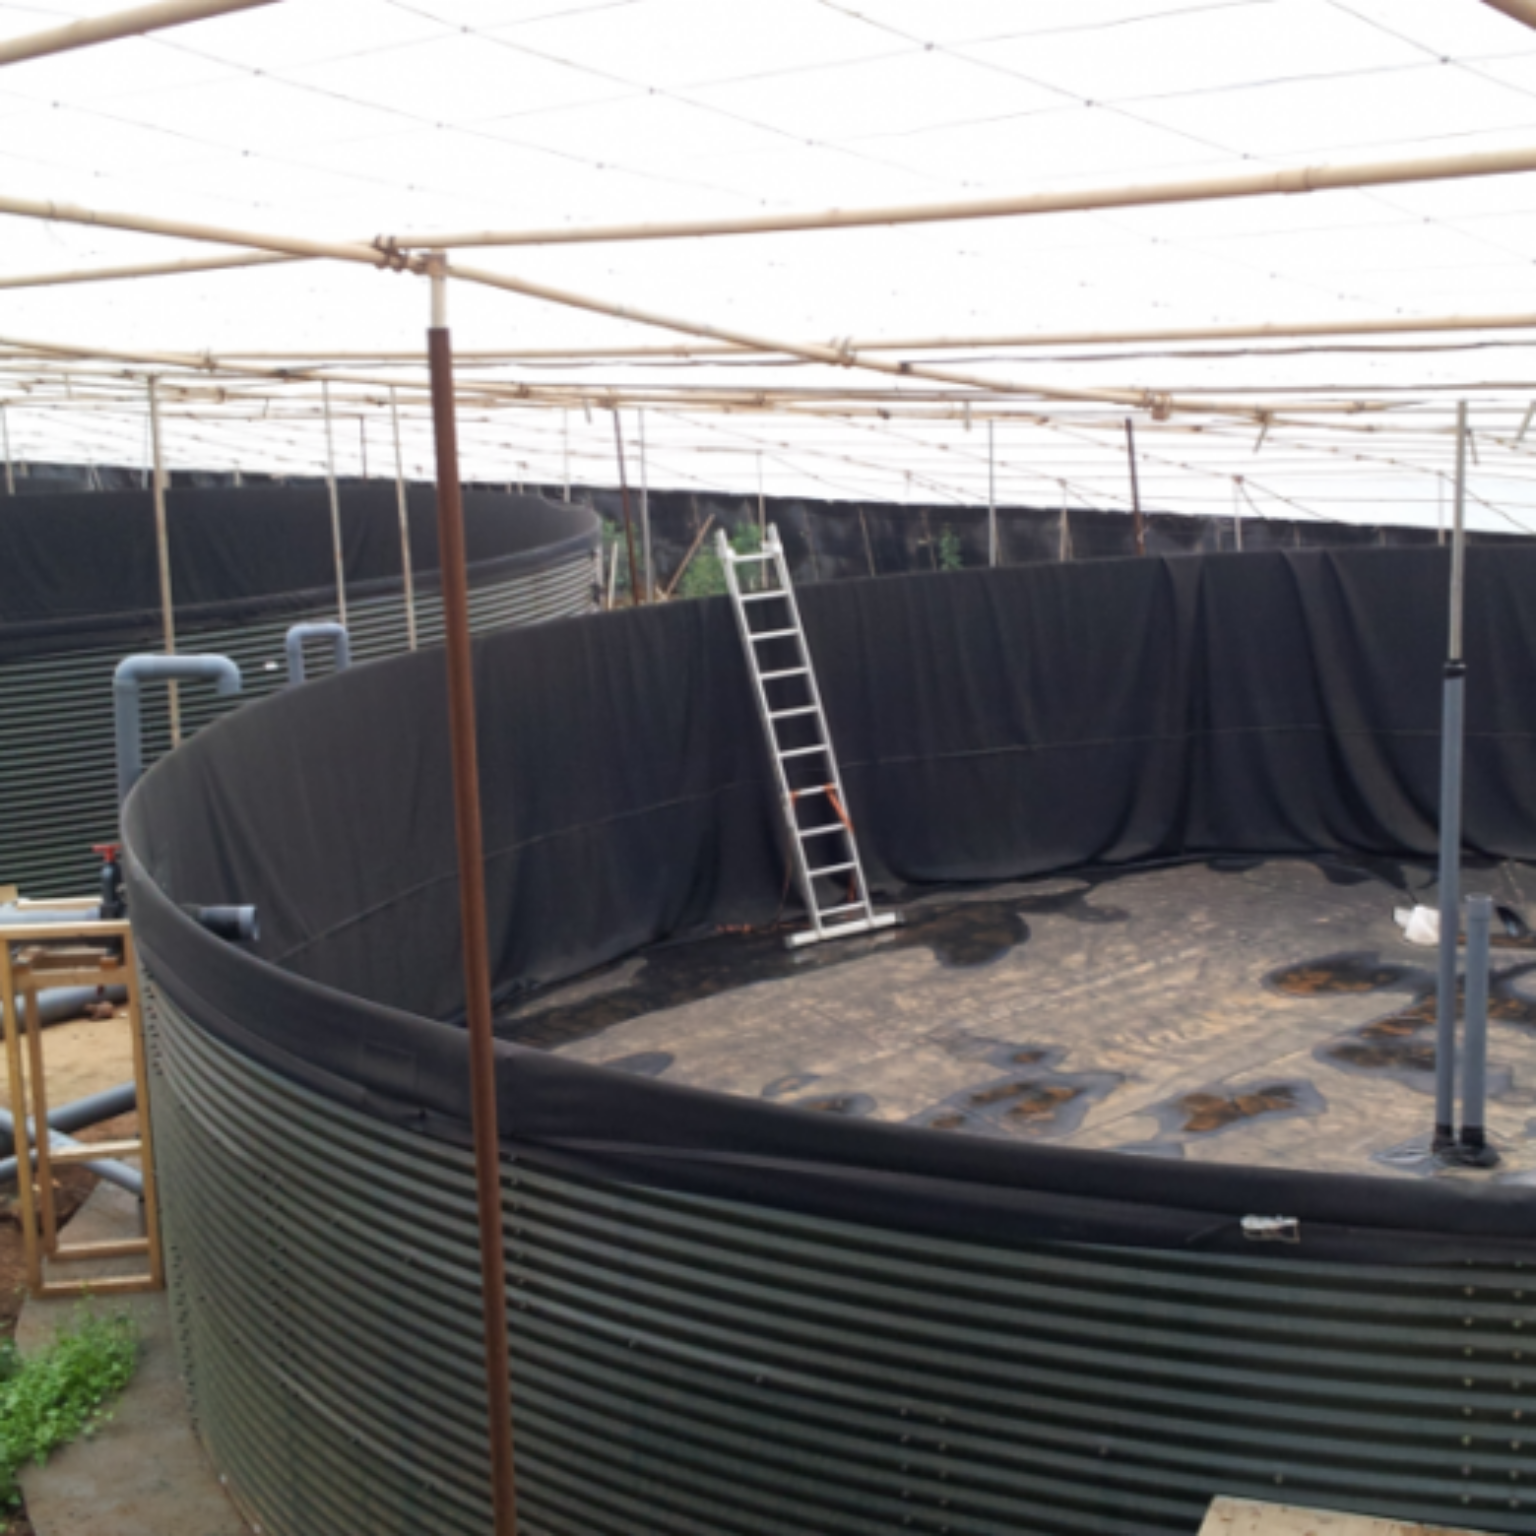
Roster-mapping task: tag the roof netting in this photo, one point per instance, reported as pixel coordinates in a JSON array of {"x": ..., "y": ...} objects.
[{"x": 347, "y": 120}]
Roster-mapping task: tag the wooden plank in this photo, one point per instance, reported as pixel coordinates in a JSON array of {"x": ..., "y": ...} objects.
[
  {"x": 118, "y": 1248},
  {"x": 1248, "y": 1517},
  {"x": 95, "y": 1151}
]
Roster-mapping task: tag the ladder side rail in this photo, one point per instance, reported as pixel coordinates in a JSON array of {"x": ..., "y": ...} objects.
[
  {"x": 782, "y": 571},
  {"x": 765, "y": 714}
]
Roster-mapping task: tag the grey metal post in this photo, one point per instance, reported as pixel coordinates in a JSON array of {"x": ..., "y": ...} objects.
[
  {"x": 645, "y": 518},
  {"x": 163, "y": 557},
  {"x": 991, "y": 497},
  {"x": 1474, "y": 1146},
  {"x": 10, "y": 469},
  {"x": 402, "y": 508},
  {"x": 330, "y": 480},
  {"x": 1451, "y": 727}
]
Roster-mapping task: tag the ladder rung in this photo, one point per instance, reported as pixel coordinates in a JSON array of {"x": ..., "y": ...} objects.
[
  {"x": 772, "y": 634},
  {"x": 847, "y": 906},
  {"x": 745, "y": 559},
  {"x": 820, "y": 746},
  {"x": 829, "y": 869},
  {"x": 784, "y": 714},
  {"x": 761, "y": 597},
  {"x": 768, "y": 677},
  {"x": 831, "y": 826}
]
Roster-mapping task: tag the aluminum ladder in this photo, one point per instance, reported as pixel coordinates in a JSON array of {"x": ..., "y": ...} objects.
[{"x": 823, "y": 851}]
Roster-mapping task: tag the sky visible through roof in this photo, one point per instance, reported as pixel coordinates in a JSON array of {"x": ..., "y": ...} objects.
[{"x": 350, "y": 119}]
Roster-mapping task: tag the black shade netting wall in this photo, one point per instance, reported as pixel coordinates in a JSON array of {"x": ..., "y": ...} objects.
[{"x": 81, "y": 570}]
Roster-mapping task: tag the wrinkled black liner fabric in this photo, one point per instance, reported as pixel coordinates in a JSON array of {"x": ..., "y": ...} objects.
[
  {"x": 81, "y": 570},
  {"x": 992, "y": 724}
]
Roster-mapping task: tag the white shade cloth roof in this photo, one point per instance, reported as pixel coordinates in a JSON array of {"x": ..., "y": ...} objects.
[{"x": 351, "y": 119}]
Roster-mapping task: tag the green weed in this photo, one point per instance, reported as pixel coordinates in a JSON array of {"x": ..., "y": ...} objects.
[{"x": 49, "y": 1398}]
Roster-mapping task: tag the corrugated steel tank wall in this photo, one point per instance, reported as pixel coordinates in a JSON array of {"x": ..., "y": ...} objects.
[
  {"x": 695, "y": 1367},
  {"x": 57, "y": 794}
]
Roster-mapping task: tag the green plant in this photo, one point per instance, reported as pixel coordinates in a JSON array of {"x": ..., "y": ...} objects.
[
  {"x": 950, "y": 558},
  {"x": 48, "y": 1398},
  {"x": 705, "y": 576}
]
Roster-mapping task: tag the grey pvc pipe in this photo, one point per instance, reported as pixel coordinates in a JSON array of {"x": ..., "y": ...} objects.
[
  {"x": 293, "y": 645},
  {"x": 107, "y": 1168},
  {"x": 91, "y": 1110},
  {"x": 10, "y": 915},
  {"x": 1450, "y": 903},
  {"x": 131, "y": 675},
  {"x": 1474, "y": 1093},
  {"x": 57, "y": 1004}
]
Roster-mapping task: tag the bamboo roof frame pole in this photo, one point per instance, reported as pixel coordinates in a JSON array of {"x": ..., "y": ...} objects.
[
  {"x": 991, "y": 495},
  {"x": 1130, "y": 454},
  {"x": 1285, "y": 181},
  {"x": 645, "y": 514},
  {"x": 471, "y": 853},
  {"x": 629, "y": 522},
  {"x": 1517, "y": 10},
  {"x": 402, "y": 506},
  {"x": 163, "y": 555},
  {"x": 337, "y": 547},
  {"x": 118, "y": 24}
]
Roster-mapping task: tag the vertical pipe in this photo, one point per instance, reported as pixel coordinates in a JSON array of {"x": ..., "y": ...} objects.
[
  {"x": 762, "y": 505},
  {"x": 362, "y": 443},
  {"x": 1474, "y": 1094},
  {"x": 477, "y": 983},
  {"x": 1064, "y": 537},
  {"x": 1130, "y": 453},
  {"x": 163, "y": 557},
  {"x": 330, "y": 480},
  {"x": 645, "y": 517},
  {"x": 402, "y": 506},
  {"x": 1452, "y": 705},
  {"x": 1237, "y": 517},
  {"x": 565, "y": 435},
  {"x": 10, "y": 468},
  {"x": 629, "y": 522},
  {"x": 991, "y": 496}
]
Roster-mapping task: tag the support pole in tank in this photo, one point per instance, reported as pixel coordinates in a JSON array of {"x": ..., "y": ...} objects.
[
  {"x": 645, "y": 516},
  {"x": 565, "y": 444},
  {"x": 5, "y": 442},
  {"x": 1451, "y": 724},
  {"x": 991, "y": 494},
  {"x": 629, "y": 522},
  {"x": 330, "y": 481},
  {"x": 1473, "y": 1149},
  {"x": 1130, "y": 454},
  {"x": 477, "y": 980},
  {"x": 163, "y": 558},
  {"x": 403, "y": 507}
]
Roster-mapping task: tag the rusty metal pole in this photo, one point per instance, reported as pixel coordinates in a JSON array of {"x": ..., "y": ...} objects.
[
  {"x": 477, "y": 980},
  {"x": 1130, "y": 452},
  {"x": 629, "y": 522}
]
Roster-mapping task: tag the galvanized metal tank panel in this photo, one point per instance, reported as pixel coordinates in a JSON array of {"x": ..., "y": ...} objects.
[
  {"x": 56, "y": 747},
  {"x": 702, "y": 1368}
]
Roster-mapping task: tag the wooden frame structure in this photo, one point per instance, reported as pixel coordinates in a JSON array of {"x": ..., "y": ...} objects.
[{"x": 71, "y": 953}]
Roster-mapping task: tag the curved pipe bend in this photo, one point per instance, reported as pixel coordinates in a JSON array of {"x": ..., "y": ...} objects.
[
  {"x": 341, "y": 647},
  {"x": 127, "y": 682}
]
